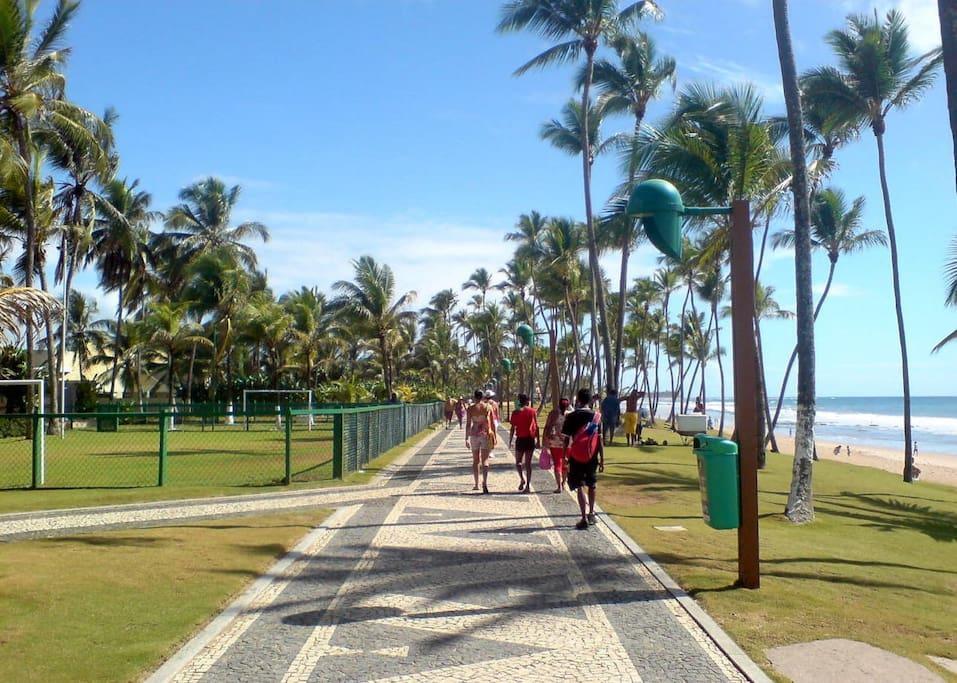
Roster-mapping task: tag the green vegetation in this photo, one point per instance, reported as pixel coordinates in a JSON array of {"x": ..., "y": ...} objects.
[
  {"x": 204, "y": 474},
  {"x": 95, "y": 615},
  {"x": 879, "y": 564}
]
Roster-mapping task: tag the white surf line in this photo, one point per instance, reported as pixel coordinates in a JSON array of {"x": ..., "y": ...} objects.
[
  {"x": 208, "y": 646},
  {"x": 318, "y": 644}
]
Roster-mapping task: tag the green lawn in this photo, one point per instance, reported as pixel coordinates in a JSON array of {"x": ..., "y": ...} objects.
[
  {"x": 91, "y": 468},
  {"x": 878, "y": 565},
  {"x": 111, "y": 606}
]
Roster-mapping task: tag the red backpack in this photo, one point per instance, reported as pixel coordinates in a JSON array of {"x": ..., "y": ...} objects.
[{"x": 584, "y": 444}]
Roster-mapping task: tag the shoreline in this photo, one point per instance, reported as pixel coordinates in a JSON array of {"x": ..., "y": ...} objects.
[{"x": 938, "y": 468}]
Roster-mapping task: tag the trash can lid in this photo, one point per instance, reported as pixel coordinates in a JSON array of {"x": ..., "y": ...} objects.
[{"x": 715, "y": 445}]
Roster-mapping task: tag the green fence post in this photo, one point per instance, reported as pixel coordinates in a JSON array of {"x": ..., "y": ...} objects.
[
  {"x": 288, "y": 426},
  {"x": 37, "y": 451},
  {"x": 337, "y": 439},
  {"x": 163, "y": 447}
]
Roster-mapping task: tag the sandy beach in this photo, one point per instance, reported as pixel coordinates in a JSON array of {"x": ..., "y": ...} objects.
[{"x": 935, "y": 467}]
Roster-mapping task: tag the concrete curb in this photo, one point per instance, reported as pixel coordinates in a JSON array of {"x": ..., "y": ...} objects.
[
  {"x": 731, "y": 649},
  {"x": 197, "y": 643}
]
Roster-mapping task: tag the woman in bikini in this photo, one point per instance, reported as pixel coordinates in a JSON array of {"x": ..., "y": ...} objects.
[
  {"x": 479, "y": 438},
  {"x": 555, "y": 442}
]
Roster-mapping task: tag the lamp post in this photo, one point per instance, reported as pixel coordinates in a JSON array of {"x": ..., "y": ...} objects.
[{"x": 658, "y": 204}]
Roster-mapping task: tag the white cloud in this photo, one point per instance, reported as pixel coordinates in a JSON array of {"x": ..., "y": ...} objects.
[
  {"x": 838, "y": 290},
  {"x": 728, "y": 72},
  {"x": 922, "y": 17},
  {"x": 316, "y": 249}
]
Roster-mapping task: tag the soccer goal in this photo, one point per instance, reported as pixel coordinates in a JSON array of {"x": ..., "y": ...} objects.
[
  {"x": 41, "y": 426},
  {"x": 278, "y": 399}
]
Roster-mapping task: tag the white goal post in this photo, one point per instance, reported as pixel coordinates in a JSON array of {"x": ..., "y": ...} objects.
[
  {"x": 277, "y": 393},
  {"x": 41, "y": 426}
]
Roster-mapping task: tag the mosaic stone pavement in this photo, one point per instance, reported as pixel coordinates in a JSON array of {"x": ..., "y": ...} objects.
[{"x": 428, "y": 580}]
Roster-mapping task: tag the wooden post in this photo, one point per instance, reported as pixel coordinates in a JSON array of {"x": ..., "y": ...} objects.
[{"x": 745, "y": 391}]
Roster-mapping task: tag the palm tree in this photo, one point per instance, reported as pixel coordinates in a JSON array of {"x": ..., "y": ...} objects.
[
  {"x": 440, "y": 307},
  {"x": 877, "y": 75},
  {"x": 371, "y": 300},
  {"x": 120, "y": 247},
  {"x": 24, "y": 306},
  {"x": 528, "y": 231},
  {"x": 800, "y": 500},
  {"x": 84, "y": 335},
  {"x": 582, "y": 26},
  {"x": 310, "y": 327},
  {"x": 835, "y": 229},
  {"x": 950, "y": 270},
  {"x": 31, "y": 92},
  {"x": 481, "y": 281},
  {"x": 630, "y": 86},
  {"x": 202, "y": 221},
  {"x": 170, "y": 334},
  {"x": 711, "y": 288}
]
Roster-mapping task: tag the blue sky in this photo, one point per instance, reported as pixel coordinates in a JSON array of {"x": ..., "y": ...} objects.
[{"x": 396, "y": 128}]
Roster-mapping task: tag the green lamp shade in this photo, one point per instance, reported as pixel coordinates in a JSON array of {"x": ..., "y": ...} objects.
[
  {"x": 658, "y": 204},
  {"x": 525, "y": 333},
  {"x": 506, "y": 365}
]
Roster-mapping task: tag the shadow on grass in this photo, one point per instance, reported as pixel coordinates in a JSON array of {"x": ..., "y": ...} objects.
[{"x": 890, "y": 513}]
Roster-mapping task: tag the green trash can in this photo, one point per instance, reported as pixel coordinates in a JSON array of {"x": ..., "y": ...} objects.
[
  {"x": 718, "y": 476},
  {"x": 107, "y": 423}
]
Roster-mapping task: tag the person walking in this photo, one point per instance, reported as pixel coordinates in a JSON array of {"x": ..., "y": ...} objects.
[
  {"x": 460, "y": 410},
  {"x": 555, "y": 442},
  {"x": 610, "y": 413},
  {"x": 524, "y": 422},
  {"x": 632, "y": 421},
  {"x": 586, "y": 454},
  {"x": 479, "y": 438},
  {"x": 449, "y": 411}
]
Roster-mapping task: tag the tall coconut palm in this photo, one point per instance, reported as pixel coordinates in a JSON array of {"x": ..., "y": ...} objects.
[
  {"x": 202, "y": 222},
  {"x": 581, "y": 25},
  {"x": 84, "y": 335},
  {"x": 31, "y": 92},
  {"x": 836, "y": 230},
  {"x": 877, "y": 74},
  {"x": 480, "y": 281},
  {"x": 628, "y": 86},
  {"x": 711, "y": 288},
  {"x": 371, "y": 299},
  {"x": 120, "y": 247},
  {"x": 800, "y": 507},
  {"x": 171, "y": 334}
]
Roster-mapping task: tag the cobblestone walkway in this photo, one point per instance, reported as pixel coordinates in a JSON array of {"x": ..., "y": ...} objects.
[{"x": 427, "y": 580}]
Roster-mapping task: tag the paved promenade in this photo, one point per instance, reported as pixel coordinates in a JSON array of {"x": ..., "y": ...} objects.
[{"x": 420, "y": 578}]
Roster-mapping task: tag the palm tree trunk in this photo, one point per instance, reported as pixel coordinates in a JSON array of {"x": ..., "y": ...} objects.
[
  {"x": 52, "y": 376},
  {"x": 717, "y": 343},
  {"x": 26, "y": 155},
  {"x": 787, "y": 372},
  {"x": 116, "y": 341},
  {"x": 189, "y": 376},
  {"x": 620, "y": 323},
  {"x": 386, "y": 376},
  {"x": 681, "y": 349},
  {"x": 948, "y": 34},
  {"x": 800, "y": 505},
  {"x": 768, "y": 434},
  {"x": 597, "y": 290},
  {"x": 895, "y": 270}
]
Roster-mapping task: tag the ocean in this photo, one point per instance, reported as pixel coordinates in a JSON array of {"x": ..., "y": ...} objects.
[{"x": 870, "y": 420}]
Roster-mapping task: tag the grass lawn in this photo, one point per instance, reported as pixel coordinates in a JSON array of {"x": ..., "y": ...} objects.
[
  {"x": 113, "y": 605},
  {"x": 879, "y": 563},
  {"x": 219, "y": 463}
]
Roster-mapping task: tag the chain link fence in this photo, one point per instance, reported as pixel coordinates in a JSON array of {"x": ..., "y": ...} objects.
[{"x": 193, "y": 447}]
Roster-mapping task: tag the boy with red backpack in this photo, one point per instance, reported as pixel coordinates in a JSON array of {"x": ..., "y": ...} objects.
[{"x": 586, "y": 455}]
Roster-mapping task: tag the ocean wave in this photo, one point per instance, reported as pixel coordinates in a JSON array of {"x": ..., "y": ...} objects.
[{"x": 943, "y": 426}]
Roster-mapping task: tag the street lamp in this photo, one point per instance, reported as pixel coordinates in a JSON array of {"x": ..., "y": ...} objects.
[{"x": 658, "y": 204}]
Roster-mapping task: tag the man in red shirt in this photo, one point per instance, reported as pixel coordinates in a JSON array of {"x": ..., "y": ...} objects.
[{"x": 525, "y": 427}]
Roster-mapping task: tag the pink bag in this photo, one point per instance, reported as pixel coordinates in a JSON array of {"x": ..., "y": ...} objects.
[{"x": 545, "y": 459}]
